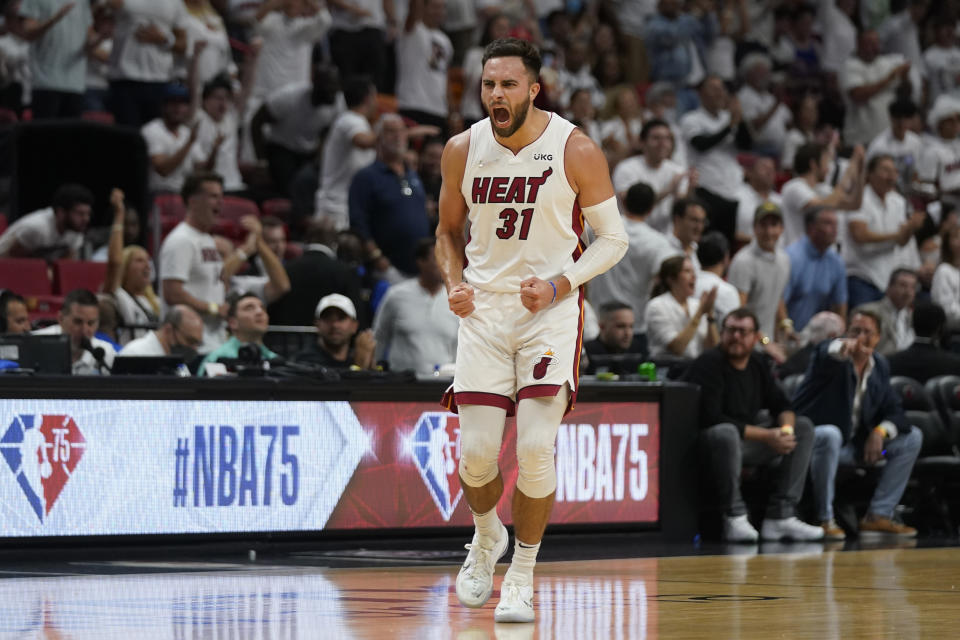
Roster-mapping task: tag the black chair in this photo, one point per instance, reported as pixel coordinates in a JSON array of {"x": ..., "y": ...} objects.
[
  {"x": 937, "y": 469},
  {"x": 945, "y": 391}
]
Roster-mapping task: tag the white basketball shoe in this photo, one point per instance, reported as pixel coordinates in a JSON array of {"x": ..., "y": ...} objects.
[
  {"x": 516, "y": 602},
  {"x": 475, "y": 580}
]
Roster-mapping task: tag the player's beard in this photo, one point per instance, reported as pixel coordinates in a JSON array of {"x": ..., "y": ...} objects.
[{"x": 517, "y": 118}]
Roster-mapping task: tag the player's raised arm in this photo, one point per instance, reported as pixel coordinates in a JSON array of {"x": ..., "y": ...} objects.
[
  {"x": 588, "y": 173},
  {"x": 453, "y": 218}
]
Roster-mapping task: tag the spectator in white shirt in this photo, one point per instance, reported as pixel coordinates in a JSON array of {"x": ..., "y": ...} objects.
[
  {"x": 803, "y": 130},
  {"x": 289, "y": 30},
  {"x": 811, "y": 166},
  {"x": 171, "y": 144},
  {"x": 898, "y": 142},
  {"x": 654, "y": 167},
  {"x": 714, "y": 255},
  {"x": 191, "y": 268},
  {"x": 60, "y": 31},
  {"x": 895, "y": 309},
  {"x": 297, "y": 114},
  {"x": 575, "y": 74},
  {"x": 424, "y": 53},
  {"x": 940, "y": 158},
  {"x": 349, "y": 146},
  {"x": 180, "y": 334},
  {"x": 839, "y": 33},
  {"x": 147, "y": 36},
  {"x": 763, "y": 111},
  {"x": 128, "y": 278},
  {"x": 218, "y": 122},
  {"x": 760, "y": 273},
  {"x": 942, "y": 59},
  {"x": 414, "y": 327},
  {"x": 204, "y": 24},
  {"x": 583, "y": 114},
  {"x": 946, "y": 279},
  {"x": 900, "y": 33},
  {"x": 876, "y": 232},
  {"x": 660, "y": 101},
  {"x": 629, "y": 280},
  {"x": 679, "y": 324},
  {"x": 869, "y": 82},
  {"x": 689, "y": 220},
  {"x": 710, "y": 133},
  {"x": 51, "y": 233},
  {"x": 621, "y": 132},
  {"x": 761, "y": 175}
]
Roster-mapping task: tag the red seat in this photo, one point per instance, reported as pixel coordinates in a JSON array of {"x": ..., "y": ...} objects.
[
  {"x": 104, "y": 117},
  {"x": 3, "y": 222},
  {"x": 278, "y": 208},
  {"x": 26, "y": 276},
  {"x": 78, "y": 274},
  {"x": 44, "y": 307},
  {"x": 235, "y": 208},
  {"x": 170, "y": 206}
]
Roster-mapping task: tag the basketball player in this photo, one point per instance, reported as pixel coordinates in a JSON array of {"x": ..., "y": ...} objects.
[{"x": 526, "y": 179}]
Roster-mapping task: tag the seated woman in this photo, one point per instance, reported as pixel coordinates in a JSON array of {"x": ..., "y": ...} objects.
[
  {"x": 677, "y": 323},
  {"x": 128, "y": 279}
]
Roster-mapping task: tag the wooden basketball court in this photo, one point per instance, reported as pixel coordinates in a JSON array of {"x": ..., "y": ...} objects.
[{"x": 889, "y": 593}]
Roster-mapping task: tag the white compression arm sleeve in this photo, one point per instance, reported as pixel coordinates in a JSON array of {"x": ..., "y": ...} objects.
[{"x": 608, "y": 247}]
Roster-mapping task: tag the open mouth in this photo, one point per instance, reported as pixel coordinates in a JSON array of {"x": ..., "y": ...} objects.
[{"x": 501, "y": 116}]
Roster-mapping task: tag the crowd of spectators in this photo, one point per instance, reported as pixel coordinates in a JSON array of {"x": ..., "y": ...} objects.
[{"x": 780, "y": 164}]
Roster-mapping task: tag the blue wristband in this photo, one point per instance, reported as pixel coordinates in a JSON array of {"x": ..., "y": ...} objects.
[{"x": 554, "y": 292}]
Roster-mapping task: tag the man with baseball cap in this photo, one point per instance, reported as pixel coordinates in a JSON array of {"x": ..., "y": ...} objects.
[
  {"x": 760, "y": 272},
  {"x": 336, "y": 322}
]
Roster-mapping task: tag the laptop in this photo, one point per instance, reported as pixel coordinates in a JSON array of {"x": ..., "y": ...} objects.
[{"x": 49, "y": 354}]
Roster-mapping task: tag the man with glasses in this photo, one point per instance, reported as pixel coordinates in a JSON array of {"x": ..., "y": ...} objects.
[
  {"x": 689, "y": 221},
  {"x": 735, "y": 385},
  {"x": 859, "y": 419},
  {"x": 180, "y": 334}
]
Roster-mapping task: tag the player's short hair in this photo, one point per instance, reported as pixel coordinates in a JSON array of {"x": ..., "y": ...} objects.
[{"x": 514, "y": 47}]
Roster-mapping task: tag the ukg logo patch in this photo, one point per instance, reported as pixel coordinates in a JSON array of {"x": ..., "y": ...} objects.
[
  {"x": 42, "y": 451},
  {"x": 436, "y": 452}
]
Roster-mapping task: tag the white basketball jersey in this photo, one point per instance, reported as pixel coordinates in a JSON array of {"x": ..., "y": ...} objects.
[{"x": 524, "y": 216}]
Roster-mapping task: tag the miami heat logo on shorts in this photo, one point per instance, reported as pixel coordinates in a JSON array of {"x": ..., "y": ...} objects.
[{"x": 545, "y": 360}]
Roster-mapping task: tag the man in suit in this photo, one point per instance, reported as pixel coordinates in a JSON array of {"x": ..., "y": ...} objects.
[
  {"x": 314, "y": 275},
  {"x": 895, "y": 311},
  {"x": 924, "y": 359},
  {"x": 847, "y": 394}
]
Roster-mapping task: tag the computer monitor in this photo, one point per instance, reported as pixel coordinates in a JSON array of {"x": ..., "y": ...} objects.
[
  {"x": 48, "y": 354},
  {"x": 146, "y": 365}
]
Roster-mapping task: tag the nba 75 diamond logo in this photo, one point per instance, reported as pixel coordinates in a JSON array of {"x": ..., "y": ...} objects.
[
  {"x": 42, "y": 451},
  {"x": 436, "y": 447}
]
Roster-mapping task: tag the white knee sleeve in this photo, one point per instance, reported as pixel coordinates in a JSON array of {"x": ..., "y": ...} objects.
[
  {"x": 481, "y": 434},
  {"x": 537, "y": 422}
]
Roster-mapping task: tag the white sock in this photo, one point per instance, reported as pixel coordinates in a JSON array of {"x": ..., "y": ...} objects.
[
  {"x": 488, "y": 527},
  {"x": 524, "y": 560}
]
